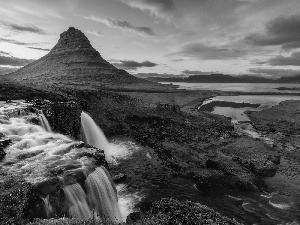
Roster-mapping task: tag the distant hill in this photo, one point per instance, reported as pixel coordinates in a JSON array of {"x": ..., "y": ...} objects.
[
  {"x": 221, "y": 78},
  {"x": 74, "y": 62},
  {"x": 255, "y": 79},
  {"x": 294, "y": 79},
  {"x": 212, "y": 78}
]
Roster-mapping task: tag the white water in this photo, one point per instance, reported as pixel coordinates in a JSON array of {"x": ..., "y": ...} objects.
[
  {"x": 44, "y": 121},
  {"x": 280, "y": 206},
  {"x": 76, "y": 201},
  {"x": 102, "y": 195},
  {"x": 127, "y": 201},
  {"x": 48, "y": 207},
  {"x": 35, "y": 151},
  {"x": 94, "y": 136}
]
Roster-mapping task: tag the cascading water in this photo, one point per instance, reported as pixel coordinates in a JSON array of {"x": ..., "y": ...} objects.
[
  {"x": 94, "y": 136},
  {"x": 102, "y": 195},
  {"x": 44, "y": 121},
  {"x": 76, "y": 201},
  {"x": 36, "y": 152}
]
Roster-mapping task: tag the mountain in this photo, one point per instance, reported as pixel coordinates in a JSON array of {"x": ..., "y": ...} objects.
[
  {"x": 221, "y": 78},
  {"x": 74, "y": 62},
  {"x": 293, "y": 79},
  {"x": 213, "y": 78},
  {"x": 255, "y": 79}
]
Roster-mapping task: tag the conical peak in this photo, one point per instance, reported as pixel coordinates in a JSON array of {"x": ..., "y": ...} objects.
[
  {"x": 70, "y": 40},
  {"x": 72, "y": 32}
]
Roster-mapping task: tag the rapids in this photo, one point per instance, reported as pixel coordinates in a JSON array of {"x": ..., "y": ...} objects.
[{"x": 39, "y": 155}]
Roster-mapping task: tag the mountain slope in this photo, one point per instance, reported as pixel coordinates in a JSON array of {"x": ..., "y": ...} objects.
[{"x": 73, "y": 61}]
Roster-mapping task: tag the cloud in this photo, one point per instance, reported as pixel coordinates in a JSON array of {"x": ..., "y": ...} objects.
[
  {"x": 282, "y": 31},
  {"x": 15, "y": 42},
  {"x": 6, "y": 70},
  {"x": 196, "y": 72},
  {"x": 208, "y": 52},
  {"x": 123, "y": 25},
  {"x": 24, "y": 28},
  {"x": 159, "y": 8},
  {"x": 132, "y": 65},
  {"x": 13, "y": 61},
  {"x": 42, "y": 49},
  {"x": 293, "y": 60},
  {"x": 96, "y": 33},
  {"x": 274, "y": 73},
  {"x": 4, "y": 53}
]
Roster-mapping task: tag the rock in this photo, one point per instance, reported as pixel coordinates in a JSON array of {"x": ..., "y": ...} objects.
[
  {"x": 34, "y": 120},
  {"x": 3, "y": 144},
  {"x": 48, "y": 186},
  {"x": 119, "y": 178},
  {"x": 253, "y": 155},
  {"x": 172, "y": 211},
  {"x": 133, "y": 217},
  {"x": 74, "y": 176},
  {"x": 211, "y": 164},
  {"x": 20, "y": 201}
]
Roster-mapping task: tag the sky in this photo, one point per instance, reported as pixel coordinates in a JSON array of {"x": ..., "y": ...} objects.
[{"x": 161, "y": 37}]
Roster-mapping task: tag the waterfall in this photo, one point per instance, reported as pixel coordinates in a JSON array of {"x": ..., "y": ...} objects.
[
  {"x": 44, "y": 122},
  {"x": 36, "y": 151},
  {"x": 48, "y": 207},
  {"x": 94, "y": 136},
  {"x": 76, "y": 202},
  {"x": 101, "y": 198},
  {"x": 102, "y": 195}
]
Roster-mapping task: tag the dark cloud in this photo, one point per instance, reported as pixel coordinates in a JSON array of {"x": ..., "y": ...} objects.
[
  {"x": 160, "y": 8},
  {"x": 123, "y": 25},
  {"x": 293, "y": 60},
  {"x": 6, "y": 70},
  {"x": 283, "y": 31},
  {"x": 24, "y": 28},
  {"x": 13, "y": 61},
  {"x": 42, "y": 49},
  {"x": 274, "y": 73},
  {"x": 132, "y": 65},
  {"x": 196, "y": 72},
  {"x": 4, "y": 53},
  {"x": 208, "y": 52},
  {"x": 15, "y": 42}
]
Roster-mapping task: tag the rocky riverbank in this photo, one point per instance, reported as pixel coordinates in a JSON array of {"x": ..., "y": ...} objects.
[
  {"x": 281, "y": 124},
  {"x": 184, "y": 145}
]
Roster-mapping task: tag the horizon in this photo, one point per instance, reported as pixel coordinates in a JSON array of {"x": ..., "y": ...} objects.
[{"x": 236, "y": 37}]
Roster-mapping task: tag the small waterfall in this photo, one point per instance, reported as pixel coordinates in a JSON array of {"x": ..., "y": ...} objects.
[
  {"x": 101, "y": 198},
  {"x": 93, "y": 135},
  {"x": 44, "y": 122},
  {"x": 48, "y": 207},
  {"x": 102, "y": 195},
  {"x": 77, "y": 204}
]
